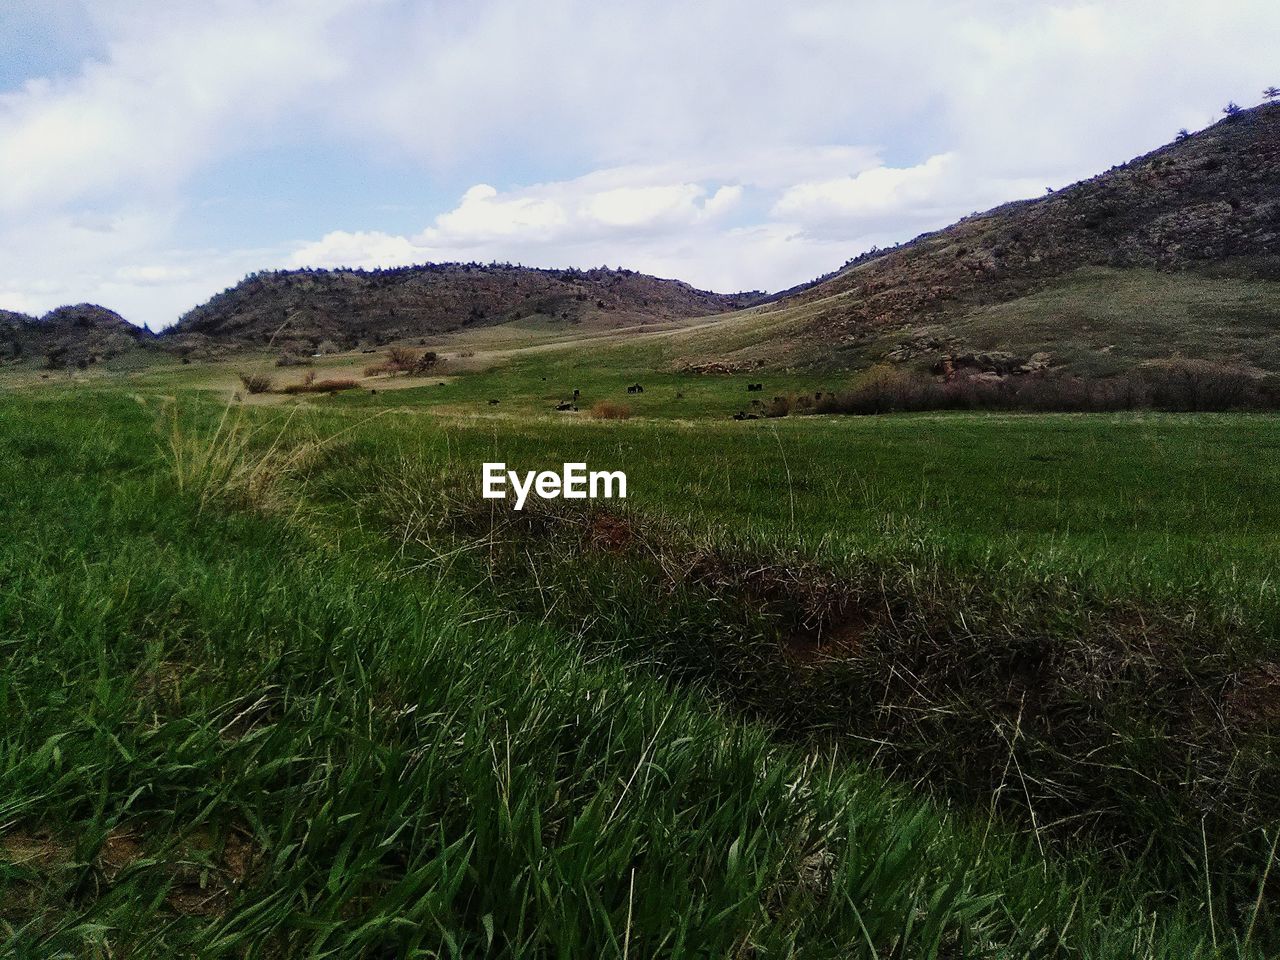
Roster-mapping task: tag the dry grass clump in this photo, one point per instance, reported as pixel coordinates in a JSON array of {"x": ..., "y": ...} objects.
[
  {"x": 256, "y": 382},
  {"x": 310, "y": 384},
  {"x": 235, "y": 460},
  {"x": 608, "y": 410}
]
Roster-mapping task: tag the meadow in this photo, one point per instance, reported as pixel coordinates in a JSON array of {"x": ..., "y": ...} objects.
[{"x": 277, "y": 683}]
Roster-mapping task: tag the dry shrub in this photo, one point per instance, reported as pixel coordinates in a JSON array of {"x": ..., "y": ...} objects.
[
  {"x": 402, "y": 357},
  {"x": 778, "y": 407},
  {"x": 608, "y": 410},
  {"x": 311, "y": 385},
  {"x": 256, "y": 382},
  {"x": 1202, "y": 385},
  {"x": 404, "y": 360},
  {"x": 290, "y": 359},
  {"x": 1175, "y": 386}
]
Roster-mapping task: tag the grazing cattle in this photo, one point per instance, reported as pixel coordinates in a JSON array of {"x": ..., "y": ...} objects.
[
  {"x": 752, "y": 416},
  {"x": 565, "y": 405},
  {"x": 739, "y": 415},
  {"x": 752, "y": 387},
  {"x": 635, "y": 388},
  {"x": 575, "y": 394},
  {"x": 493, "y": 403}
]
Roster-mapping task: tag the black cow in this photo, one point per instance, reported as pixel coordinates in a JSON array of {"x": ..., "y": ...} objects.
[
  {"x": 635, "y": 388},
  {"x": 565, "y": 405},
  {"x": 753, "y": 387},
  {"x": 493, "y": 403}
]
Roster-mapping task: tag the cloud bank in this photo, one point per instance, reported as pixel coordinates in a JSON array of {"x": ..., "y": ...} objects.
[{"x": 733, "y": 144}]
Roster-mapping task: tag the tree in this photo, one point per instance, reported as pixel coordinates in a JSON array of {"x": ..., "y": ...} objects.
[
  {"x": 1184, "y": 134},
  {"x": 1231, "y": 109},
  {"x": 1271, "y": 93}
]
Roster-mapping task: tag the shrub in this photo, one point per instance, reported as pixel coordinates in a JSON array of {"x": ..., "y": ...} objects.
[
  {"x": 256, "y": 382},
  {"x": 290, "y": 359},
  {"x": 404, "y": 360},
  {"x": 608, "y": 410},
  {"x": 1175, "y": 386},
  {"x": 1199, "y": 385},
  {"x": 778, "y": 407},
  {"x": 311, "y": 385},
  {"x": 887, "y": 390}
]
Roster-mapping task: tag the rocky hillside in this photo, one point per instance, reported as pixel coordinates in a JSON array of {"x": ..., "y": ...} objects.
[
  {"x": 69, "y": 337},
  {"x": 303, "y": 309},
  {"x": 1204, "y": 208}
]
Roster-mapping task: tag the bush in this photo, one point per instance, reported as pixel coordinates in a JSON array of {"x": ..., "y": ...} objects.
[
  {"x": 404, "y": 360},
  {"x": 608, "y": 410},
  {"x": 778, "y": 407},
  {"x": 290, "y": 359},
  {"x": 310, "y": 384},
  {"x": 402, "y": 357},
  {"x": 1198, "y": 385},
  {"x": 256, "y": 382},
  {"x": 1173, "y": 386}
]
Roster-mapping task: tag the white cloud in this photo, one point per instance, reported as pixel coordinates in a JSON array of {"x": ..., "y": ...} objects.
[
  {"x": 483, "y": 215},
  {"x": 733, "y": 142},
  {"x": 684, "y": 229},
  {"x": 872, "y": 193},
  {"x": 176, "y": 88}
]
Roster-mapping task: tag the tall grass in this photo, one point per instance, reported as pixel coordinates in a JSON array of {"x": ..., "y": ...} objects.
[
  {"x": 225, "y": 737},
  {"x": 234, "y": 459}
]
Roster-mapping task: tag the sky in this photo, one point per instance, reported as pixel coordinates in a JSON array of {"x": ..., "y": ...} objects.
[{"x": 153, "y": 152}]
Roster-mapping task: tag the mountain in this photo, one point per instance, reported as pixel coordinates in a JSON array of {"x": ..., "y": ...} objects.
[
  {"x": 72, "y": 336},
  {"x": 1174, "y": 253},
  {"x": 301, "y": 309}
]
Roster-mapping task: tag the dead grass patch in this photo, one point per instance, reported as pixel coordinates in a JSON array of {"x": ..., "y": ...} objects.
[
  {"x": 608, "y": 410},
  {"x": 309, "y": 384},
  {"x": 37, "y": 848}
]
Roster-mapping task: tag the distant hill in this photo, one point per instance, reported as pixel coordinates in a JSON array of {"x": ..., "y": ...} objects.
[
  {"x": 301, "y": 309},
  {"x": 73, "y": 336},
  {"x": 1174, "y": 253}
]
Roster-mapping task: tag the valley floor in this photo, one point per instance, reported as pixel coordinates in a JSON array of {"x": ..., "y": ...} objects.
[{"x": 276, "y": 682}]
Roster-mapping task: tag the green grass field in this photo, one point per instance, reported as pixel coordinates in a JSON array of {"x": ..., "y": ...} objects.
[{"x": 277, "y": 683}]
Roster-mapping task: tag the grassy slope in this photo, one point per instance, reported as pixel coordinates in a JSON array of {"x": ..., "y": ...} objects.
[
  {"x": 1095, "y": 321},
  {"x": 224, "y": 736}
]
